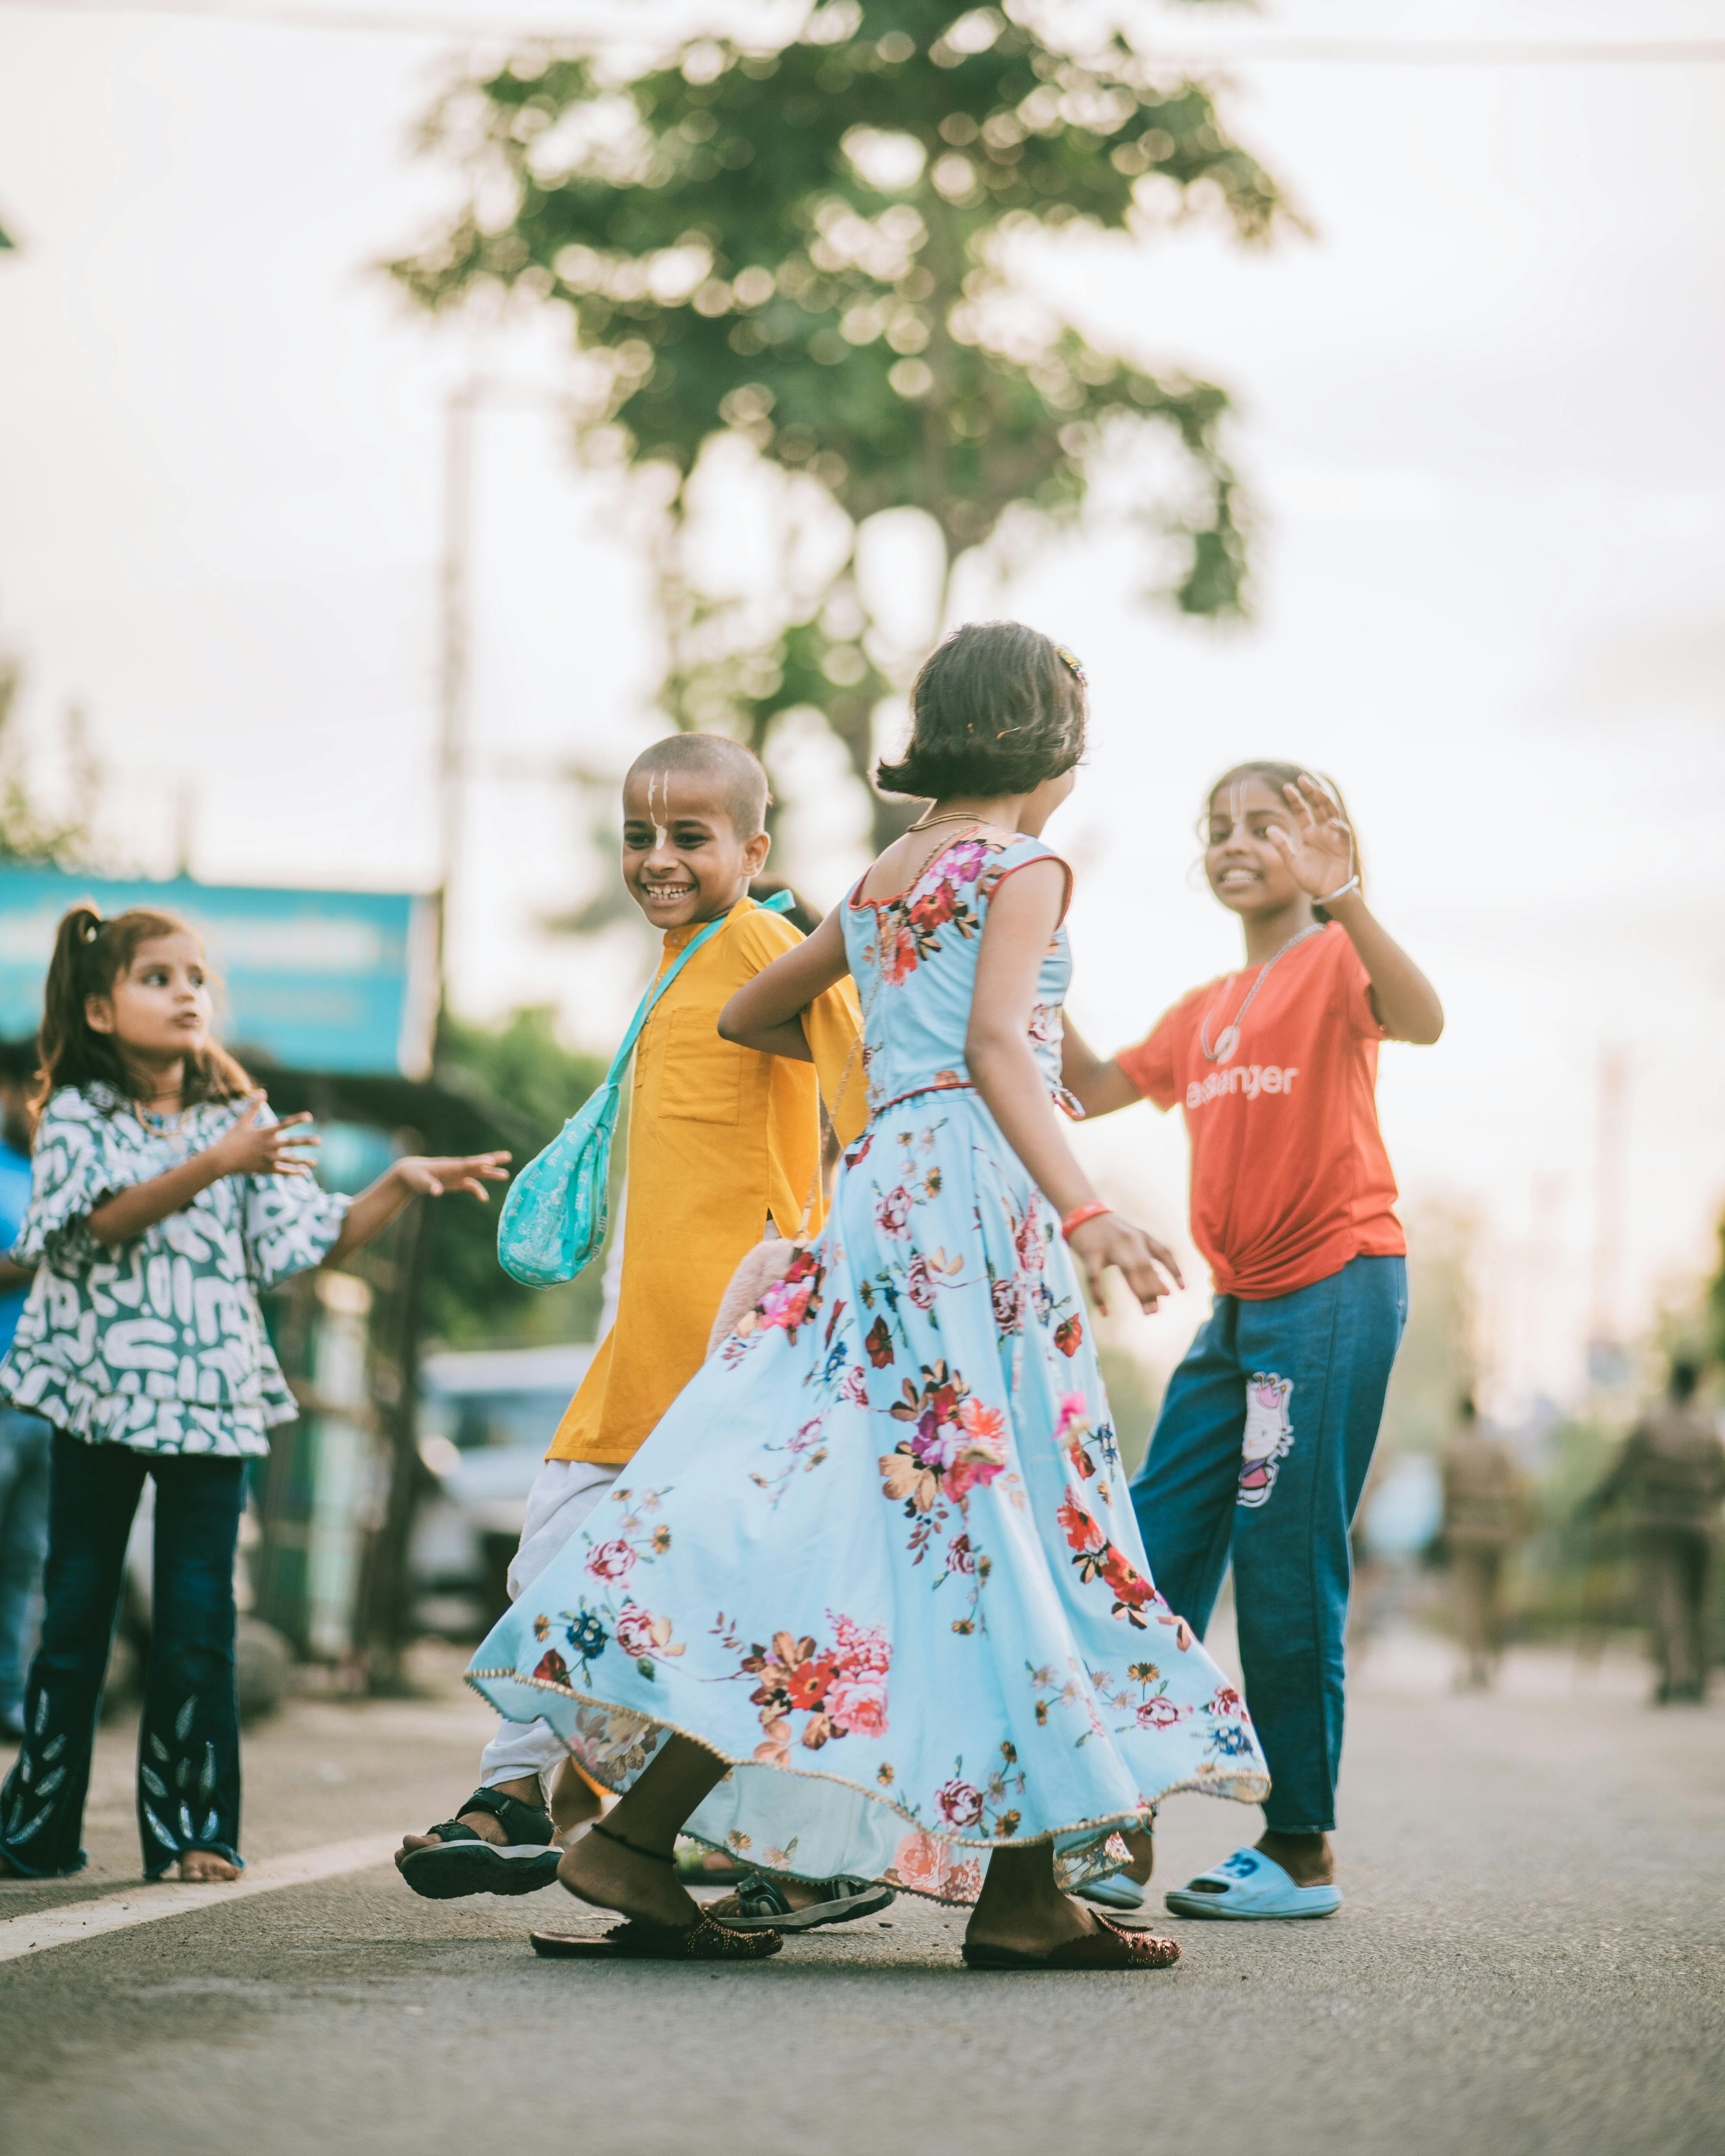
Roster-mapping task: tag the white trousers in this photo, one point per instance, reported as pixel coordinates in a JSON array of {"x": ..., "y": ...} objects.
[{"x": 564, "y": 1492}]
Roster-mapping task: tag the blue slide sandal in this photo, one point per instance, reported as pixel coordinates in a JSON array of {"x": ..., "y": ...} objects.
[{"x": 1249, "y": 1886}]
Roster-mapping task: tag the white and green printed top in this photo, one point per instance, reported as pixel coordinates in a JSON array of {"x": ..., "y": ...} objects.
[{"x": 157, "y": 1343}]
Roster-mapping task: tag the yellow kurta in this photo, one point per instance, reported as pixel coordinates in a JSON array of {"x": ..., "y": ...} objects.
[{"x": 720, "y": 1139}]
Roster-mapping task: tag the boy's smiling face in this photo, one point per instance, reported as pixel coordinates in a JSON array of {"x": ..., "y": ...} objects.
[{"x": 682, "y": 859}]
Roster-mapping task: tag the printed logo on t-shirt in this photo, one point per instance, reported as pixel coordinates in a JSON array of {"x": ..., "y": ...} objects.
[
  {"x": 1269, "y": 1436},
  {"x": 1250, "y": 1079}
]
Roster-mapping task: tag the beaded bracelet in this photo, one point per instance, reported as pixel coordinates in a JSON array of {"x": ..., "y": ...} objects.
[{"x": 1080, "y": 1214}]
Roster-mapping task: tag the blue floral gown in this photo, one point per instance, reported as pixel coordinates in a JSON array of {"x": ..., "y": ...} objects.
[{"x": 879, "y": 1554}]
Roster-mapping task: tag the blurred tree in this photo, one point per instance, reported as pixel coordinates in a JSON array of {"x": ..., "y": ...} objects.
[
  {"x": 29, "y": 832},
  {"x": 1438, "y": 1362},
  {"x": 470, "y": 1301},
  {"x": 823, "y": 249},
  {"x": 1715, "y": 1312}
]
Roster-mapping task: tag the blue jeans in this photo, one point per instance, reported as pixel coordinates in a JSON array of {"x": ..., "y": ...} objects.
[
  {"x": 188, "y": 1736},
  {"x": 25, "y": 1444},
  {"x": 1260, "y": 1454}
]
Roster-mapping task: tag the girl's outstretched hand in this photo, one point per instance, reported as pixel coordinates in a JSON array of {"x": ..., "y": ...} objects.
[
  {"x": 1108, "y": 1240},
  {"x": 437, "y": 1177},
  {"x": 1320, "y": 853},
  {"x": 249, "y": 1147}
]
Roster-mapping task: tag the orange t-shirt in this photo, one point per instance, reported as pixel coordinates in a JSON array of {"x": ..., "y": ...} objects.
[{"x": 1289, "y": 1179}]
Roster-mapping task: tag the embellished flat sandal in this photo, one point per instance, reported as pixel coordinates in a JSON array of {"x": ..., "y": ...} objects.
[
  {"x": 1107, "y": 1946},
  {"x": 636, "y": 1939},
  {"x": 704, "y": 1940},
  {"x": 464, "y": 1862}
]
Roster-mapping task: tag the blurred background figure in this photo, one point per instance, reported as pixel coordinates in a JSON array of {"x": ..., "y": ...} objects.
[
  {"x": 1484, "y": 1518},
  {"x": 1671, "y": 1475},
  {"x": 25, "y": 1439}
]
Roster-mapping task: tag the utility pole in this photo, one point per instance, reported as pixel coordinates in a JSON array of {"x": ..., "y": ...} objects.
[
  {"x": 1607, "y": 1364},
  {"x": 452, "y": 740}
]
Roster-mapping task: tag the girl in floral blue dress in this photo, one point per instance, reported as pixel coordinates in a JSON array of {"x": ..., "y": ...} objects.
[
  {"x": 873, "y": 1602},
  {"x": 164, "y": 1194}
]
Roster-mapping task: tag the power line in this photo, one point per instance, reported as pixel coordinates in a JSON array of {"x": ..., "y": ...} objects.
[{"x": 1370, "y": 52}]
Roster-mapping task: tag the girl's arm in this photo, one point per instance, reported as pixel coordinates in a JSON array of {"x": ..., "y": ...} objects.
[
  {"x": 764, "y": 1012},
  {"x": 1099, "y": 1087},
  {"x": 245, "y": 1147},
  {"x": 1406, "y": 1002},
  {"x": 1022, "y": 915},
  {"x": 414, "y": 1177},
  {"x": 1320, "y": 856}
]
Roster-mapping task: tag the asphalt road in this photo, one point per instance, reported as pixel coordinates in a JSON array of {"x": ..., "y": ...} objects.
[{"x": 1532, "y": 1959}]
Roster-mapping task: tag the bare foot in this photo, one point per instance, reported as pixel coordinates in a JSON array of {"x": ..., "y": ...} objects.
[
  {"x": 598, "y": 1870},
  {"x": 1035, "y": 1927},
  {"x": 203, "y": 1868},
  {"x": 1306, "y": 1858},
  {"x": 1143, "y": 1844}
]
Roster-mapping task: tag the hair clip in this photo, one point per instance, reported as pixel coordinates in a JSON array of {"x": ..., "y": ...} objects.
[{"x": 1070, "y": 659}]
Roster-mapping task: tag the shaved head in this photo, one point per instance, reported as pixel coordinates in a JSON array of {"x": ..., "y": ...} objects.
[{"x": 732, "y": 776}]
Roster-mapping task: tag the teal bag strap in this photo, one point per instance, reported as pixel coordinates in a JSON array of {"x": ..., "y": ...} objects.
[
  {"x": 780, "y": 902},
  {"x": 554, "y": 1216}
]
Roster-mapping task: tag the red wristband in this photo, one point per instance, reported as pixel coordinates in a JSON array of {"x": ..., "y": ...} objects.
[{"x": 1080, "y": 1214}]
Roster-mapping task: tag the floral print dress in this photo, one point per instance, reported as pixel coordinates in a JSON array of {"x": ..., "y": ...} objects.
[{"x": 879, "y": 1555}]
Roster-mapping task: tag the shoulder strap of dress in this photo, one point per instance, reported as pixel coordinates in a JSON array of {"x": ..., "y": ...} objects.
[{"x": 1020, "y": 852}]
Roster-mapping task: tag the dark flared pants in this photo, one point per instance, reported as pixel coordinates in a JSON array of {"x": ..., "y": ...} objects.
[{"x": 188, "y": 1738}]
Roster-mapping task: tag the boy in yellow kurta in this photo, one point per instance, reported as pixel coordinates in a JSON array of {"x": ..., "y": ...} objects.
[{"x": 722, "y": 1142}]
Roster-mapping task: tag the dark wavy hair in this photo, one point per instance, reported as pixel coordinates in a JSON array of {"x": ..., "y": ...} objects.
[
  {"x": 1276, "y": 776},
  {"x": 89, "y": 956},
  {"x": 996, "y": 709}
]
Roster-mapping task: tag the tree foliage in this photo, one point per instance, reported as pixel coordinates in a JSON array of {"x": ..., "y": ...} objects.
[
  {"x": 821, "y": 249},
  {"x": 29, "y": 831}
]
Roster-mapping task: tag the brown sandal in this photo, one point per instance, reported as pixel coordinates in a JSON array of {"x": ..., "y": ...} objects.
[
  {"x": 1108, "y": 1947},
  {"x": 704, "y": 1940}
]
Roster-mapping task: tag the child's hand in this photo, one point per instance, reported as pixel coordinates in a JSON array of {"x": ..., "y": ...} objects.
[
  {"x": 435, "y": 1179},
  {"x": 1108, "y": 1240},
  {"x": 248, "y": 1147},
  {"x": 1320, "y": 853}
]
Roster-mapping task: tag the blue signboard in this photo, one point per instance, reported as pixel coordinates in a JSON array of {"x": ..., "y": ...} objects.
[{"x": 317, "y": 980}]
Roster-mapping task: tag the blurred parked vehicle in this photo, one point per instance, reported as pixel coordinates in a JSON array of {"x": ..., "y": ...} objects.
[{"x": 486, "y": 1419}]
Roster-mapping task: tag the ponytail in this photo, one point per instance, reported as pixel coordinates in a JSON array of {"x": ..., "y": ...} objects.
[{"x": 90, "y": 955}]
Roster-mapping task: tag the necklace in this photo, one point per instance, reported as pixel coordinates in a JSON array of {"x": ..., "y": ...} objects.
[
  {"x": 1228, "y": 1040},
  {"x": 952, "y": 816}
]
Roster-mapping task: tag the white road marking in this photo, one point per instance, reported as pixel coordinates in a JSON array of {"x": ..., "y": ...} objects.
[{"x": 87, "y": 1920}]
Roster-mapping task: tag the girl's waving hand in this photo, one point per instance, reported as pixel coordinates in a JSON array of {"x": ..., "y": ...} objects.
[{"x": 1319, "y": 850}]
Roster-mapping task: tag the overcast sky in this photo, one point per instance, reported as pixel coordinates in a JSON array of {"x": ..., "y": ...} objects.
[{"x": 1479, "y": 412}]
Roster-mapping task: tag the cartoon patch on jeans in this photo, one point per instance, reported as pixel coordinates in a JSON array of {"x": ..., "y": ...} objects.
[{"x": 1269, "y": 1436}]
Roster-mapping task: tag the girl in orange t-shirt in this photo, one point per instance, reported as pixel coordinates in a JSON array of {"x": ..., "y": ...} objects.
[{"x": 1267, "y": 1427}]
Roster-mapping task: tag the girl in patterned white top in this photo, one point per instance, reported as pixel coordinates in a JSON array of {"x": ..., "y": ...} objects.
[{"x": 165, "y": 1196}]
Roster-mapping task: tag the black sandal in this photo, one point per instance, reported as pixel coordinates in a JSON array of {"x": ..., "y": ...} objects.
[{"x": 464, "y": 1862}]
